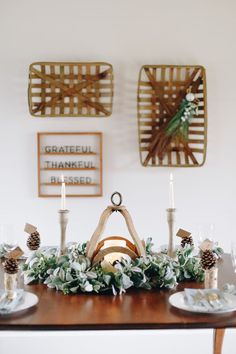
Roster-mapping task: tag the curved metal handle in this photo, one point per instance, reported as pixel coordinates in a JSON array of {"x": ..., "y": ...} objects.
[{"x": 120, "y": 199}]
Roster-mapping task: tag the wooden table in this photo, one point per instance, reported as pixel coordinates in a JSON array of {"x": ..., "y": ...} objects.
[{"x": 137, "y": 309}]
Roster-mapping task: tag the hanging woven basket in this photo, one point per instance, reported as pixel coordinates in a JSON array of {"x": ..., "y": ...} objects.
[{"x": 97, "y": 250}]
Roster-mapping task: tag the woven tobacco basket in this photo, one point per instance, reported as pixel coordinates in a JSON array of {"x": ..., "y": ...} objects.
[
  {"x": 70, "y": 89},
  {"x": 161, "y": 89}
]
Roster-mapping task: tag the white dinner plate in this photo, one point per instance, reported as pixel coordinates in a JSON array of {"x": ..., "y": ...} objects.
[
  {"x": 177, "y": 300},
  {"x": 29, "y": 300}
]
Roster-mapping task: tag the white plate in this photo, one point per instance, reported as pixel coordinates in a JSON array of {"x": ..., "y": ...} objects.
[
  {"x": 177, "y": 300},
  {"x": 29, "y": 300}
]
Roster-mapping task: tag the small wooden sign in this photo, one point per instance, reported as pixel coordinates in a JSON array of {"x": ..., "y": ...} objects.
[
  {"x": 75, "y": 156},
  {"x": 16, "y": 253},
  {"x": 183, "y": 233},
  {"x": 30, "y": 228}
]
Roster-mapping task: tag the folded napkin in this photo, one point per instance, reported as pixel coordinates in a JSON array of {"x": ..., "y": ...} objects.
[
  {"x": 207, "y": 300},
  {"x": 6, "y": 305},
  {"x": 230, "y": 289}
]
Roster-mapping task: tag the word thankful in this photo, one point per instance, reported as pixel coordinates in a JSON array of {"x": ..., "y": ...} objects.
[
  {"x": 68, "y": 149},
  {"x": 69, "y": 164},
  {"x": 74, "y": 180}
]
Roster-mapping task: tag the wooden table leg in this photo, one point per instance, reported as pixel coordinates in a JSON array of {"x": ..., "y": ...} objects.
[{"x": 218, "y": 340}]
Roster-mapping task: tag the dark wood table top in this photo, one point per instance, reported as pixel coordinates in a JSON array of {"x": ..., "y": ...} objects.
[{"x": 137, "y": 309}]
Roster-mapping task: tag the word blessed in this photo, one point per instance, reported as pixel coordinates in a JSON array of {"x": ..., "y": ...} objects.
[
  {"x": 71, "y": 180},
  {"x": 85, "y": 149},
  {"x": 69, "y": 164}
]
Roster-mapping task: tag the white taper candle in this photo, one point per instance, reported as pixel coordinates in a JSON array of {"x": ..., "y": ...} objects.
[
  {"x": 171, "y": 192},
  {"x": 63, "y": 194}
]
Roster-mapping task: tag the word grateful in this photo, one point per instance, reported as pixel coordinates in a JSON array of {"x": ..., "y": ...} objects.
[{"x": 68, "y": 148}]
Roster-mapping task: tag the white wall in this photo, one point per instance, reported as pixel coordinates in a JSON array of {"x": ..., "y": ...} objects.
[{"x": 128, "y": 34}]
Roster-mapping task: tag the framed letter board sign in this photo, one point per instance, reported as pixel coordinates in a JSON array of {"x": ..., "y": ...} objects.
[{"x": 75, "y": 156}]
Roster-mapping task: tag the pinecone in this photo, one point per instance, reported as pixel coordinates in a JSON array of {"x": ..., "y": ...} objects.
[
  {"x": 208, "y": 259},
  {"x": 33, "y": 241},
  {"x": 11, "y": 266},
  {"x": 187, "y": 241}
]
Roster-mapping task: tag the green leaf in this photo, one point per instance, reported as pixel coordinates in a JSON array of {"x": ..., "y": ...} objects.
[
  {"x": 91, "y": 275},
  {"x": 126, "y": 281},
  {"x": 107, "y": 279},
  {"x": 69, "y": 276},
  {"x": 88, "y": 287}
]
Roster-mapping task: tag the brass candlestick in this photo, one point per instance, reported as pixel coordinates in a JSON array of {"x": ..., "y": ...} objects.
[
  {"x": 171, "y": 220},
  {"x": 63, "y": 219}
]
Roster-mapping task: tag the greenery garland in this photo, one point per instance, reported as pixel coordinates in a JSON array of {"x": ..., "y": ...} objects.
[{"x": 73, "y": 272}]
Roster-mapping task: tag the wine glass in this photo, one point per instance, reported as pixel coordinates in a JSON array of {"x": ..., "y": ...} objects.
[
  {"x": 233, "y": 255},
  {"x": 8, "y": 237},
  {"x": 205, "y": 231}
]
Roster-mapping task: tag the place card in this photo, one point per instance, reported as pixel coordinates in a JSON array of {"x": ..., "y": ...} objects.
[
  {"x": 16, "y": 253},
  {"x": 30, "y": 228},
  {"x": 183, "y": 233}
]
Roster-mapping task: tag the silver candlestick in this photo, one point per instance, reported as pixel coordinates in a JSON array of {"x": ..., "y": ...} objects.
[
  {"x": 63, "y": 219},
  {"x": 171, "y": 221}
]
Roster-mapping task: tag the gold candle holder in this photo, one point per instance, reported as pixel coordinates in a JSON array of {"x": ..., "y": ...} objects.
[
  {"x": 211, "y": 278},
  {"x": 10, "y": 285},
  {"x": 63, "y": 220},
  {"x": 171, "y": 221}
]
